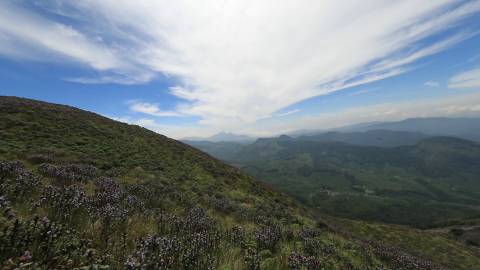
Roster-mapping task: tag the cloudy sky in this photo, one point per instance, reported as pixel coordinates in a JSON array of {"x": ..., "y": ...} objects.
[{"x": 261, "y": 67}]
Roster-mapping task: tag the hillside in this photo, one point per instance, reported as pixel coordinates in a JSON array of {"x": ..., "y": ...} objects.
[
  {"x": 433, "y": 180},
  {"x": 82, "y": 191}
]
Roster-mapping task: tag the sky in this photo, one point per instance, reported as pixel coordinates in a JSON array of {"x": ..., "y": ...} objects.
[{"x": 258, "y": 67}]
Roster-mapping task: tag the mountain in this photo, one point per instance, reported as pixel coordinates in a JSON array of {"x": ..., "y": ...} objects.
[
  {"x": 381, "y": 138},
  {"x": 222, "y": 137},
  {"x": 81, "y": 191},
  {"x": 466, "y": 128},
  {"x": 431, "y": 181},
  {"x": 221, "y": 150},
  {"x": 348, "y": 128}
]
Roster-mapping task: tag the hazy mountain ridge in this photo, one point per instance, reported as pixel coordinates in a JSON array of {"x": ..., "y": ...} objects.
[
  {"x": 222, "y": 137},
  {"x": 462, "y": 127}
]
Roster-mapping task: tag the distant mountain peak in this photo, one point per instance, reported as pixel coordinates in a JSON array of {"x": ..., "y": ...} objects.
[
  {"x": 284, "y": 137},
  {"x": 222, "y": 136}
]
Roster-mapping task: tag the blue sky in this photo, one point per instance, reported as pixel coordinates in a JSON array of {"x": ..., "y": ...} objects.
[{"x": 185, "y": 68}]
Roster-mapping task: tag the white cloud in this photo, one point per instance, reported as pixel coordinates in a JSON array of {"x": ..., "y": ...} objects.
[
  {"x": 467, "y": 79},
  {"x": 432, "y": 84},
  {"x": 173, "y": 131},
  {"x": 240, "y": 61},
  {"x": 289, "y": 112},
  {"x": 361, "y": 92},
  {"x": 150, "y": 109},
  {"x": 27, "y": 34},
  {"x": 466, "y": 105}
]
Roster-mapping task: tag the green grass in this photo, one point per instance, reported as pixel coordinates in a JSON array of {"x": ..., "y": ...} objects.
[
  {"x": 427, "y": 244},
  {"x": 419, "y": 185}
]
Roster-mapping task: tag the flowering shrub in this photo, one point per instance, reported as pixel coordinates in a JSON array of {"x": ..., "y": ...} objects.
[
  {"x": 297, "y": 261},
  {"x": 15, "y": 180},
  {"x": 154, "y": 252},
  {"x": 188, "y": 242},
  {"x": 70, "y": 172},
  {"x": 268, "y": 237},
  {"x": 399, "y": 259},
  {"x": 65, "y": 201},
  {"x": 42, "y": 244},
  {"x": 111, "y": 203}
]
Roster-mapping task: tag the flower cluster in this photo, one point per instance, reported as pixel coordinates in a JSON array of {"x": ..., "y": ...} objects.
[
  {"x": 297, "y": 261},
  {"x": 154, "y": 252},
  {"x": 41, "y": 244},
  {"x": 9, "y": 168},
  {"x": 188, "y": 242},
  {"x": 268, "y": 237},
  {"x": 15, "y": 180},
  {"x": 65, "y": 200},
  {"x": 399, "y": 259},
  {"x": 69, "y": 172},
  {"x": 111, "y": 202}
]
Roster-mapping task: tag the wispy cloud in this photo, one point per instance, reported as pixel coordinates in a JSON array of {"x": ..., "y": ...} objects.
[
  {"x": 467, "y": 79},
  {"x": 289, "y": 112},
  {"x": 432, "y": 84},
  {"x": 172, "y": 131},
  {"x": 32, "y": 36},
  {"x": 465, "y": 105},
  {"x": 150, "y": 109},
  {"x": 361, "y": 92},
  {"x": 237, "y": 62},
  {"x": 115, "y": 79}
]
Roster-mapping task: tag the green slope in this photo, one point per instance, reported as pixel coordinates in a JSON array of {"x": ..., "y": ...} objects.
[
  {"x": 78, "y": 190},
  {"x": 422, "y": 184}
]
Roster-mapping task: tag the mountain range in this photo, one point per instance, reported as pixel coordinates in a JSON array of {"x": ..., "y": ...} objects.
[
  {"x": 413, "y": 128},
  {"x": 222, "y": 137},
  {"x": 466, "y": 128},
  {"x": 402, "y": 177}
]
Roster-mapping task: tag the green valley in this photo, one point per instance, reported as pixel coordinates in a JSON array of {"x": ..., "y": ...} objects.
[{"x": 432, "y": 180}]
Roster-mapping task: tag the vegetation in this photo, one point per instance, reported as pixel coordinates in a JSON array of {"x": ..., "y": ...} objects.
[
  {"x": 432, "y": 181},
  {"x": 78, "y": 190}
]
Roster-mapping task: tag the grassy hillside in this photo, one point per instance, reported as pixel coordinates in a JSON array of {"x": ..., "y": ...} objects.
[
  {"x": 421, "y": 243},
  {"x": 78, "y": 190},
  {"x": 432, "y": 181}
]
